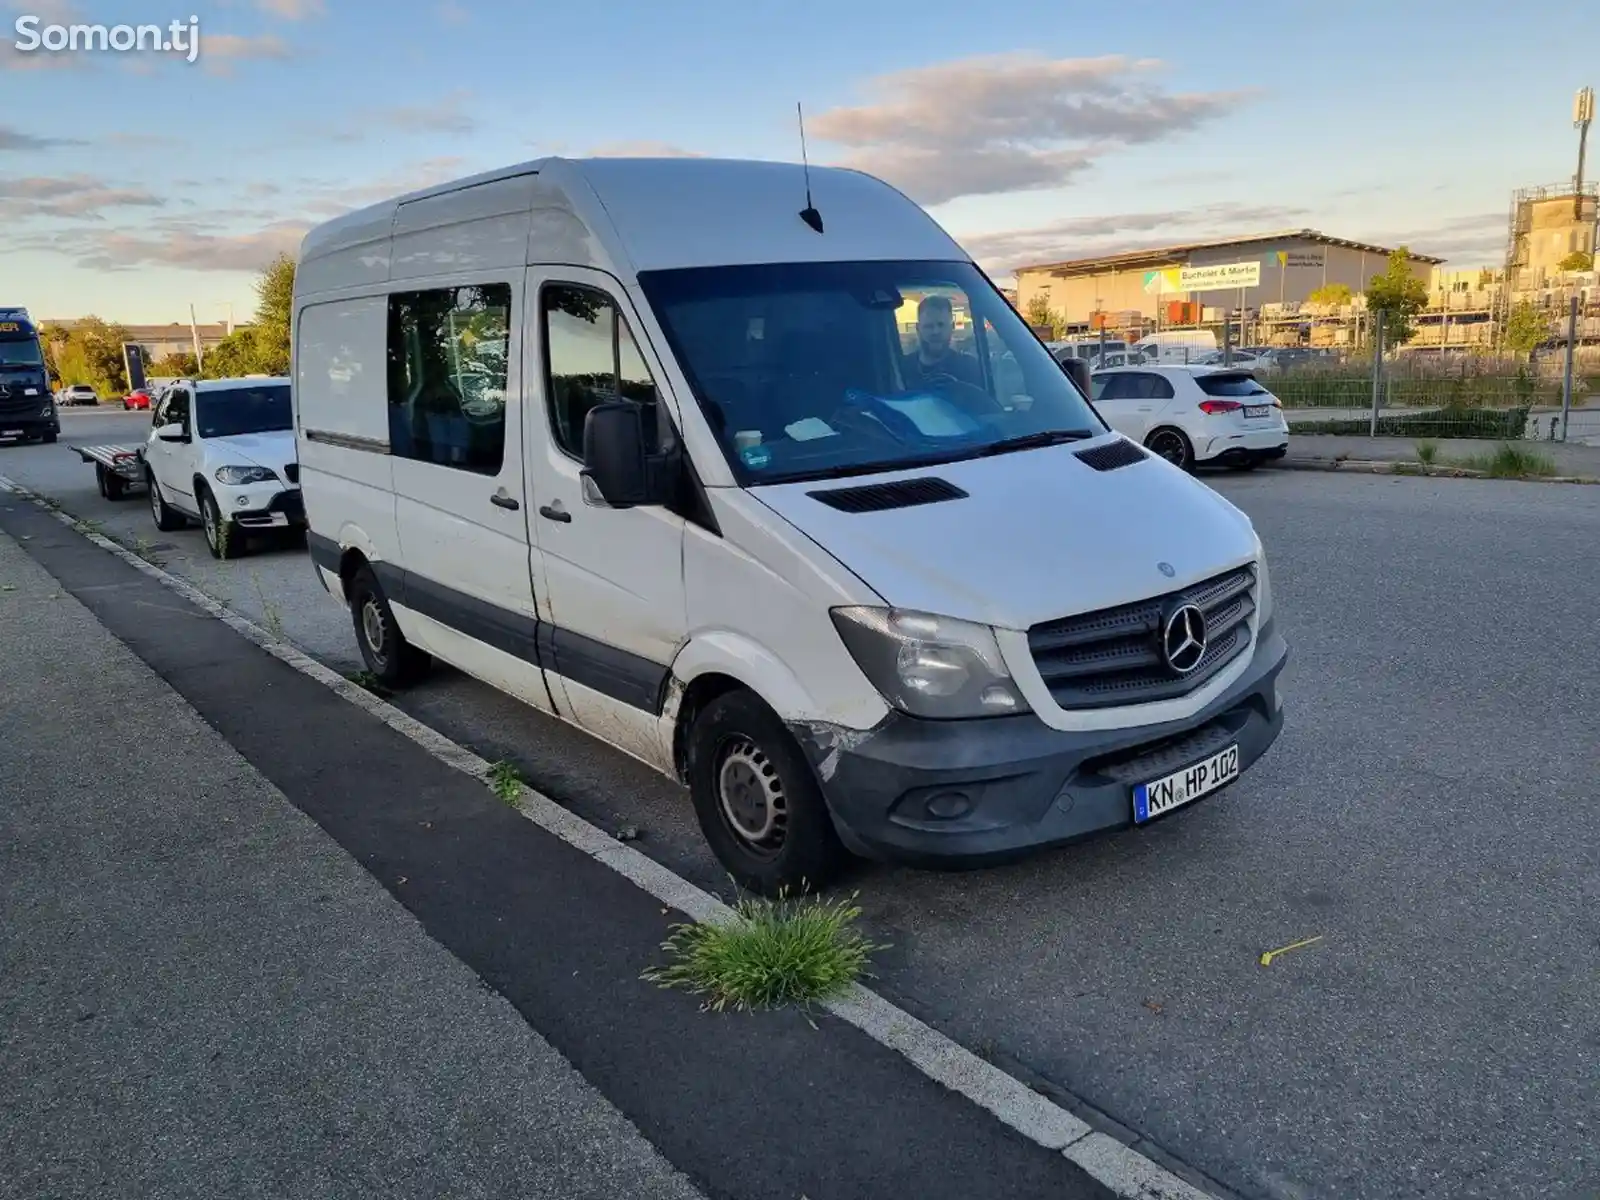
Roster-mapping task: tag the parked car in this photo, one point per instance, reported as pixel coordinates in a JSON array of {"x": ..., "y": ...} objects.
[
  {"x": 1244, "y": 359},
  {"x": 1194, "y": 416},
  {"x": 76, "y": 394},
  {"x": 222, "y": 452},
  {"x": 138, "y": 398},
  {"x": 784, "y": 580}
]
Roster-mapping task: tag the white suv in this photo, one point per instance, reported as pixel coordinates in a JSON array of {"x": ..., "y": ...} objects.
[
  {"x": 1194, "y": 416},
  {"x": 221, "y": 451}
]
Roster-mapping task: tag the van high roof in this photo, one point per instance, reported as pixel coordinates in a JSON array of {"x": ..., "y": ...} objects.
[{"x": 622, "y": 215}]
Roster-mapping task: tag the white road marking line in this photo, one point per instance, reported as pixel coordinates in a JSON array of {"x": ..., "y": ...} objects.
[{"x": 1119, "y": 1167}]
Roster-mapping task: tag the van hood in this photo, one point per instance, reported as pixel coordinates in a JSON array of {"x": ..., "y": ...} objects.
[
  {"x": 1039, "y": 535},
  {"x": 274, "y": 449}
]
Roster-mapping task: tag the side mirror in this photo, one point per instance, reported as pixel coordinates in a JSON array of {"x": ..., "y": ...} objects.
[
  {"x": 615, "y": 458},
  {"x": 1078, "y": 371},
  {"x": 171, "y": 433}
]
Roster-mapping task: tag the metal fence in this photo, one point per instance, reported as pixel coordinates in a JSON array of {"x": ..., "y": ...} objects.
[{"x": 1555, "y": 398}]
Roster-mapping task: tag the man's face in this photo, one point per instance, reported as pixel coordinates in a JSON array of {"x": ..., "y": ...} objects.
[{"x": 933, "y": 331}]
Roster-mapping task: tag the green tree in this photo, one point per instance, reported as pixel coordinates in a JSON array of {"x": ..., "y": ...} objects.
[
  {"x": 1399, "y": 295},
  {"x": 1576, "y": 261},
  {"x": 237, "y": 354},
  {"x": 173, "y": 366},
  {"x": 274, "y": 310},
  {"x": 1040, "y": 315},
  {"x": 94, "y": 347},
  {"x": 1331, "y": 293},
  {"x": 1526, "y": 327}
]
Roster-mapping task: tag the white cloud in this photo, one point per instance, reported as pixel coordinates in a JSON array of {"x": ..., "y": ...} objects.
[
  {"x": 988, "y": 125},
  {"x": 14, "y": 139},
  {"x": 292, "y": 10},
  {"x": 1470, "y": 240},
  {"x": 189, "y": 248},
  {"x": 445, "y": 115},
  {"x": 75, "y": 196},
  {"x": 1084, "y": 237}
]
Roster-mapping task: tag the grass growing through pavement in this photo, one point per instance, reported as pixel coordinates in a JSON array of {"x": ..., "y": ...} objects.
[
  {"x": 772, "y": 953},
  {"x": 506, "y": 782},
  {"x": 1512, "y": 462},
  {"x": 368, "y": 682},
  {"x": 1427, "y": 452}
]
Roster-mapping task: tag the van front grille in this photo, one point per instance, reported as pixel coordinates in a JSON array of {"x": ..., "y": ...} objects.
[{"x": 1115, "y": 656}]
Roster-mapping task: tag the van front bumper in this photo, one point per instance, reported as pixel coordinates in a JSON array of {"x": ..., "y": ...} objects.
[{"x": 967, "y": 793}]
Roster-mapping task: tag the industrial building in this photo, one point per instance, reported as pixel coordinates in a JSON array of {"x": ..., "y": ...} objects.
[{"x": 1197, "y": 283}]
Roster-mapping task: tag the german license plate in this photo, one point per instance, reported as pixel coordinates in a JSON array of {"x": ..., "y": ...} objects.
[
  {"x": 1151, "y": 800},
  {"x": 1257, "y": 410},
  {"x": 10, "y": 433}
]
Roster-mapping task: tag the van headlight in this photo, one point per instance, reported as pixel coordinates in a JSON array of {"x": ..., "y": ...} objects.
[
  {"x": 240, "y": 475},
  {"x": 930, "y": 666}
]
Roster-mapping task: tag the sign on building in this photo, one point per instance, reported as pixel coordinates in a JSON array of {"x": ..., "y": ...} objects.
[
  {"x": 1301, "y": 258},
  {"x": 1221, "y": 277}
]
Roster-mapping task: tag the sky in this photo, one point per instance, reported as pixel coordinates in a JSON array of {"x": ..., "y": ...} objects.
[{"x": 135, "y": 184}]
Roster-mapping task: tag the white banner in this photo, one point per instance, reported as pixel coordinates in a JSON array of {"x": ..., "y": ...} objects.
[{"x": 1220, "y": 277}]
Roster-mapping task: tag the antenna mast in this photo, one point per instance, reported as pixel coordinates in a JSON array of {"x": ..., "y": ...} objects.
[
  {"x": 809, "y": 213},
  {"x": 1582, "y": 116}
]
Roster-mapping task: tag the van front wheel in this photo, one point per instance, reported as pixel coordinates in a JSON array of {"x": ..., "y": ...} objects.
[
  {"x": 393, "y": 661},
  {"x": 757, "y": 801}
]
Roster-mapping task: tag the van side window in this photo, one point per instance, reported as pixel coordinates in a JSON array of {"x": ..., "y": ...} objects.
[
  {"x": 447, "y": 376},
  {"x": 591, "y": 357}
]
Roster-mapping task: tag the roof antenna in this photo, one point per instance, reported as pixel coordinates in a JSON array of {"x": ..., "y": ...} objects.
[{"x": 809, "y": 213}]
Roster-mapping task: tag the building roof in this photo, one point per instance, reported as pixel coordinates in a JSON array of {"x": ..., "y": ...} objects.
[
  {"x": 177, "y": 331},
  {"x": 1166, "y": 255}
]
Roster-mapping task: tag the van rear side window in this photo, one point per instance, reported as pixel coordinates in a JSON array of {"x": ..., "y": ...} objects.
[{"x": 448, "y": 353}]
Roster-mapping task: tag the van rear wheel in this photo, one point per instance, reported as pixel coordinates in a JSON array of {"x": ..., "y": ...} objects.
[
  {"x": 757, "y": 800},
  {"x": 392, "y": 660}
]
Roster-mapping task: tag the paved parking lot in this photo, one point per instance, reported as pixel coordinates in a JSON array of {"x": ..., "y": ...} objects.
[{"x": 1429, "y": 814}]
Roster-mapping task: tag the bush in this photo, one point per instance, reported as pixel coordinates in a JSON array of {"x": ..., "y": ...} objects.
[{"x": 1488, "y": 423}]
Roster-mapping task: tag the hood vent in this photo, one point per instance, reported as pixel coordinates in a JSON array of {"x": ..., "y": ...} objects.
[
  {"x": 1120, "y": 453},
  {"x": 876, "y": 497}
]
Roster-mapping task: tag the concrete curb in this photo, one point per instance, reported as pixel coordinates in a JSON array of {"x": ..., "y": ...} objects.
[
  {"x": 1115, "y": 1164},
  {"x": 1413, "y": 470}
]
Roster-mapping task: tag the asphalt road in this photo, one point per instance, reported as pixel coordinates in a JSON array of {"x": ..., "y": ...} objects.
[{"x": 1428, "y": 814}]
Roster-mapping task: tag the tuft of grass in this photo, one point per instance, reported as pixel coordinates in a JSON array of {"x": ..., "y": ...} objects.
[
  {"x": 269, "y": 610},
  {"x": 369, "y": 682},
  {"x": 1512, "y": 462},
  {"x": 506, "y": 782},
  {"x": 1427, "y": 452},
  {"x": 772, "y": 953},
  {"x": 89, "y": 525}
]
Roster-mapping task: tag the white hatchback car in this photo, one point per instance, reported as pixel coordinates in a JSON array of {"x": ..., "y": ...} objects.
[
  {"x": 1194, "y": 416},
  {"x": 222, "y": 452}
]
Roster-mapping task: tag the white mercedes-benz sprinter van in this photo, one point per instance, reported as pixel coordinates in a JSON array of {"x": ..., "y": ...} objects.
[{"x": 773, "y": 490}]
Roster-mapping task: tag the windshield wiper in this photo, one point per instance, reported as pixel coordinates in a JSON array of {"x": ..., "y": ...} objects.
[{"x": 1030, "y": 441}]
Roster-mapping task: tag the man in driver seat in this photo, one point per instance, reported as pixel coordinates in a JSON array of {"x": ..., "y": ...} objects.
[{"x": 934, "y": 359}]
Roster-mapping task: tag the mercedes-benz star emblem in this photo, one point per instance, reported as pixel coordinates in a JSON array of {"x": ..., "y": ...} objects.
[
  {"x": 1183, "y": 639},
  {"x": 1166, "y": 569}
]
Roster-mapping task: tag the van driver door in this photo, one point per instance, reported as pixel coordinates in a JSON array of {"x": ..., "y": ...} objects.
[{"x": 613, "y": 593}]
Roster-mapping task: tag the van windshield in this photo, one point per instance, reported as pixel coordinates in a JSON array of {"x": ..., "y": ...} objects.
[{"x": 816, "y": 370}]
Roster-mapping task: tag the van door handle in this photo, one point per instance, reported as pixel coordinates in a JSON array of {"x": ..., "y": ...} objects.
[
  {"x": 556, "y": 513},
  {"x": 504, "y": 501}
]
